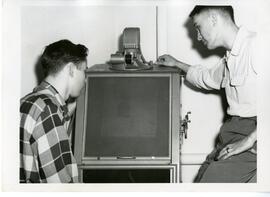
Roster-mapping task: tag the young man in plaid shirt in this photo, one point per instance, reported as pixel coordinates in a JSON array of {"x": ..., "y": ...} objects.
[{"x": 45, "y": 149}]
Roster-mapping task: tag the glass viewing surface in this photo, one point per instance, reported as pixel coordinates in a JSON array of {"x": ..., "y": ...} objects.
[{"x": 127, "y": 117}]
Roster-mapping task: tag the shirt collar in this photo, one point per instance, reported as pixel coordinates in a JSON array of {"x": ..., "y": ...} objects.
[
  {"x": 46, "y": 85},
  {"x": 240, "y": 38}
]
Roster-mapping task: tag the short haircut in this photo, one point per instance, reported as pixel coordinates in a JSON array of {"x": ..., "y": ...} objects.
[
  {"x": 58, "y": 54},
  {"x": 227, "y": 9}
]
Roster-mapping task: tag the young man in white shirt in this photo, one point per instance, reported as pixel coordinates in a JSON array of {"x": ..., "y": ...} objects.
[{"x": 234, "y": 158}]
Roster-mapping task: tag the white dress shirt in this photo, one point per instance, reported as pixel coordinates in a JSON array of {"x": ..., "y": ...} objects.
[{"x": 236, "y": 72}]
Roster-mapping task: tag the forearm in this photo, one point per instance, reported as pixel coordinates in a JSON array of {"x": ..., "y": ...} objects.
[
  {"x": 183, "y": 66},
  {"x": 71, "y": 107},
  {"x": 252, "y": 138}
]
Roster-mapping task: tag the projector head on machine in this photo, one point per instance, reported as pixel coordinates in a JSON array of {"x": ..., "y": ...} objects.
[{"x": 130, "y": 58}]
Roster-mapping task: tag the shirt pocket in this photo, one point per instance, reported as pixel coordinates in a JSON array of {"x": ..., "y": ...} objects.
[{"x": 238, "y": 80}]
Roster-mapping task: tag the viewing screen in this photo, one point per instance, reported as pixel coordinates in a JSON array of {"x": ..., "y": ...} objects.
[{"x": 127, "y": 117}]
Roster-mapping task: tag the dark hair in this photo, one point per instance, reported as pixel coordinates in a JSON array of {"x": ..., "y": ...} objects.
[
  {"x": 201, "y": 8},
  {"x": 58, "y": 54}
]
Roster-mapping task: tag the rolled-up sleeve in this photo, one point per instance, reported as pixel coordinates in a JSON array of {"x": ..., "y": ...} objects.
[
  {"x": 253, "y": 55},
  {"x": 206, "y": 78}
]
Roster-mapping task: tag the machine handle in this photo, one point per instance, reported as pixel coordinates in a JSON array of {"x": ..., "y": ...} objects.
[
  {"x": 126, "y": 157},
  {"x": 184, "y": 125}
]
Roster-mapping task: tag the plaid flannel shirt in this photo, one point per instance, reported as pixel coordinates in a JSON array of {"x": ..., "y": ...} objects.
[{"x": 45, "y": 149}]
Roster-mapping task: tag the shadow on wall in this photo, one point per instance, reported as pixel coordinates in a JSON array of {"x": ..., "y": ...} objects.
[
  {"x": 120, "y": 48},
  {"x": 120, "y": 43},
  {"x": 39, "y": 71}
]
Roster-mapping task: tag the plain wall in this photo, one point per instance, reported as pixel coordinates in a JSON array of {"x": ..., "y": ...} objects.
[{"x": 99, "y": 28}]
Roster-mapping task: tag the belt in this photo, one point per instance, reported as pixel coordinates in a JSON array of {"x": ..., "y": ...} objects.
[{"x": 237, "y": 118}]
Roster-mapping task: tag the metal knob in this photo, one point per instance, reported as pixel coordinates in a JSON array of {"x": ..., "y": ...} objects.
[{"x": 184, "y": 124}]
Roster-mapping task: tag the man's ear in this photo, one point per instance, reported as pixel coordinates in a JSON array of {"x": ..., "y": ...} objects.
[{"x": 70, "y": 68}]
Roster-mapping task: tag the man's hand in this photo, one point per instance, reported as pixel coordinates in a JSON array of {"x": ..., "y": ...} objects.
[
  {"x": 168, "y": 60},
  {"x": 236, "y": 148},
  {"x": 71, "y": 107}
]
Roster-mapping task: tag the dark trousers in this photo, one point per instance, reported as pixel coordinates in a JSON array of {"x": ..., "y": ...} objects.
[{"x": 241, "y": 168}]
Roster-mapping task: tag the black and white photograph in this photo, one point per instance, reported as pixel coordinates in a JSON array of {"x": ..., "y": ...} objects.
[{"x": 135, "y": 95}]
